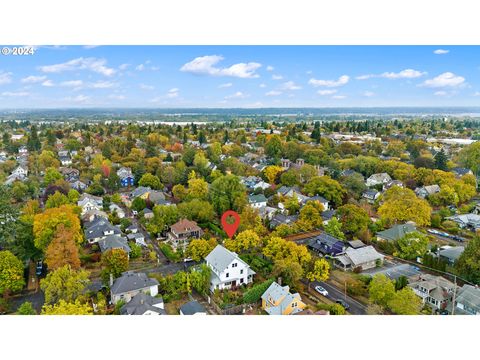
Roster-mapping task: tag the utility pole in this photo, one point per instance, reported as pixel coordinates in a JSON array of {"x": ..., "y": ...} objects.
[
  {"x": 454, "y": 294},
  {"x": 345, "y": 282}
]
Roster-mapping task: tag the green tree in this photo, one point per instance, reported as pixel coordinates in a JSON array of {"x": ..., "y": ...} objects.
[
  {"x": 441, "y": 160},
  {"x": 64, "y": 284},
  {"x": 354, "y": 219},
  {"x": 56, "y": 200},
  {"x": 401, "y": 205},
  {"x": 381, "y": 290},
  {"x": 405, "y": 302},
  {"x": 411, "y": 246},
  {"x": 227, "y": 193},
  {"x": 198, "y": 249},
  {"x": 319, "y": 271},
  {"x": 327, "y": 187},
  {"x": 334, "y": 228},
  {"x": 26, "y": 309},
  {"x": 68, "y": 308},
  {"x": 138, "y": 204},
  {"x": 274, "y": 147},
  {"x": 11, "y": 273},
  {"x": 51, "y": 175},
  {"x": 114, "y": 262},
  {"x": 8, "y": 217},
  {"x": 151, "y": 181},
  {"x": 246, "y": 241},
  {"x": 468, "y": 264}
]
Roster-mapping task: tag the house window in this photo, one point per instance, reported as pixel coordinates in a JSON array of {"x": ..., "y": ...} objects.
[
  {"x": 234, "y": 265},
  {"x": 241, "y": 281},
  {"x": 241, "y": 271},
  {"x": 294, "y": 304},
  {"x": 227, "y": 275}
]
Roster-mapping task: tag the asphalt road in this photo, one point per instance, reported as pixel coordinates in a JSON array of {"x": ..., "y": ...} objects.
[{"x": 334, "y": 293}]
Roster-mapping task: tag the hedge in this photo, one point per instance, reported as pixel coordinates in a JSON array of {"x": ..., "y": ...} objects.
[{"x": 254, "y": 294}]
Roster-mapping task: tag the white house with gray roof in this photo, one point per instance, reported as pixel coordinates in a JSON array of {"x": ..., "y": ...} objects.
[
  {"x": 228, "y": 270},
  {"x": 143, "y": 304},
  {"x": 130, "y": 284},
  {"x": 365, "y": 258},
  {"x": 468, "y": 301}
]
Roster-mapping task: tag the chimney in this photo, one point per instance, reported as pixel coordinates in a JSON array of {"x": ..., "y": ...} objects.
[
  {"x": 111, "y": 279},
  {"x": 279, "y": 280}
]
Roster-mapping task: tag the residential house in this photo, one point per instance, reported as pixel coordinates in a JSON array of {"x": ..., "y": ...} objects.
[
  {"x": 118, "y": 210},
  {"x": 451, "y": 254},
  {"x": 279, "y": 219},
  {"x": 257, "y": 201},
  {"x": 396, "y": 232},
  {"x": 468, "y": 300},
  {"x": 426, "y": 191},
  {"x": 182, "y": 231},
  {"x": 78, "y": 185},
  {"x": 327, "y": 216},
  {"x": 391, "y": 184},
  {"x": 466, "y": 221},
  {"x": 278, "y": 300},
  {"x": 228, "y": 270},
  {"x": 326, "y": 244},
  {"x": 90, "y": 202},
  {"x": 20, "y": 172},
  {"x": 91, "y": 215},
  {"x": 98, "y": 229},
  {"x": 126, "y": 176},
  {"x": 193, "y": 308},
  {"x": 356, "y": 244},
  {"x": 435, "y": 291},
  {"x": 138, "y": 237},
  {"x": 362, "y": 258},
  {"x": 148, "y": 214},
  {"x": 459, "y": 171},
  {"x": 23, "y": 150},
  {"x": 371, "y": 195},
  {"x": 132, "y": 229},
  {"x": 69, "y": 174},
  {"x": 141, "y": 192},
  {"x": 143, "y": 304},
  {"x": 378, "y": 179},
  {"x": 65, "y": 160},
  {"x": 130, "y": 284},
  {"x": 110, "y": 242}
]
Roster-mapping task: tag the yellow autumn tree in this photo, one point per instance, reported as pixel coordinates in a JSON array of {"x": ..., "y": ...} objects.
[
  {"x": 62, "y": 250},
  {"x": 401, "y": 205},
  {"x": 271, "y": 172}
]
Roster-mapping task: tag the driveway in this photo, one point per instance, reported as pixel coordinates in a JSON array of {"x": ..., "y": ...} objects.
[
  {"x": 36, "y": 298},
  {"x": 334, "y": 293}
]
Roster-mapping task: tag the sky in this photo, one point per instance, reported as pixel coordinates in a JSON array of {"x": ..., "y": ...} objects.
[{"x": 240, "y": 76}]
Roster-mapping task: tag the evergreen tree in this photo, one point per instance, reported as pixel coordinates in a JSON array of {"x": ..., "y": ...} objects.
[{"x": 441, "y": 160}]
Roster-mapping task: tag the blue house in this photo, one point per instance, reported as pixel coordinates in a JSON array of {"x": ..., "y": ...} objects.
[
  {"x": 126, "y": 176},
  {"x": 327, "y": 245}
]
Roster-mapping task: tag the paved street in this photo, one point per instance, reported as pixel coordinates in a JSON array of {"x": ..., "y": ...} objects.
[{"x": 334, "y": 293}]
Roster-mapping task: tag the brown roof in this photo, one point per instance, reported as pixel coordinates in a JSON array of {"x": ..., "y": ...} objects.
[{"x": 184, "y": 225}]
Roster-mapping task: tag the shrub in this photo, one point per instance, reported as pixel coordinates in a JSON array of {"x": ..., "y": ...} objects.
[
  {"x": 169, "y": 253},
  {"x": 254, "y": 294}
]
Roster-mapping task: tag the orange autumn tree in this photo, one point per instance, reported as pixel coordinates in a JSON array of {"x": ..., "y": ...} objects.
[
  {"x": 45, "y": 225},
  {"x": 62, "y": 250}
]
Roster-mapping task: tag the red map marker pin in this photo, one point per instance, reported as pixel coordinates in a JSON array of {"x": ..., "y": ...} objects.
[{"x": 230, "y": 228}]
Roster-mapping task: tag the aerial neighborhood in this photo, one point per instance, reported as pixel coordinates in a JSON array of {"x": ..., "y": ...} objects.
[{"x": 337, "y": 215}]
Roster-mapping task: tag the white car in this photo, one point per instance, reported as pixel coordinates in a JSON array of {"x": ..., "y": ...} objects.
[{"x": 321, "y": 290}]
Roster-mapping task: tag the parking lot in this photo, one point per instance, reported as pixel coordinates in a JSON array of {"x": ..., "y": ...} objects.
[{"x": 394, "y": 270}]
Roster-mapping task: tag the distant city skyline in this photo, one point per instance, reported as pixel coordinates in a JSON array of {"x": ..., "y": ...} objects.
[{"x": 241, "y": 77}]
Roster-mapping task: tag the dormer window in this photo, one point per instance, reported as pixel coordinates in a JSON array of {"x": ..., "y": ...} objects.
[{"x": 234, "y": 265}]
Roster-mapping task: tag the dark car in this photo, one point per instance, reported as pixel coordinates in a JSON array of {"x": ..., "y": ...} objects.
[
  {"x": 343, "y": 303},
  {"x": 39, "y": 268}
]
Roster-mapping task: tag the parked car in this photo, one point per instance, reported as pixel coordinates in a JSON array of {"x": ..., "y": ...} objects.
[
  {"x": 321, "y": 290},
  {"x": 343, "y": 303},
  {"x": 39, "y": 268}
]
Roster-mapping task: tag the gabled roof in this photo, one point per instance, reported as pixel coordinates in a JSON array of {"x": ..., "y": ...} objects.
[
  {"x": 114, "y": 242},
  {"x": 280, "y": 293},
  {"x": 362, "y": 255},
  {"x": 396, "y": 232},
  {"x": 185, "y": 225},
  {"x": 452, "y": 253},
  {"x": 141, "y": 303},
  {"x": 469, "y": 295},
  {"x": 130, "y": 281},
  {"x": 140, "y": 191},
  {"x": 98, "y": 227},
  {"x": 220, "y": 258},
  {"x": 254, "y": 199}
]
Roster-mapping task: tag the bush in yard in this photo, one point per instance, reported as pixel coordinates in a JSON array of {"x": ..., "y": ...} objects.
[
  {"x": 254, "y": 294},
  {"x": 136, "y": 250},
  {"x": 169, "y": 253},
  {"x": 26, "y": 309}
]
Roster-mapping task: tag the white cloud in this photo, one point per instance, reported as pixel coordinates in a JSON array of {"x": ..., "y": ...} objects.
[
  {"x": 338, "y": 97},
  {"x": 342, "y": 80},
  {"x": 237, "y": 95},
  {"x": 326, "y": 92},
  {"x": 440, "y": 93},
  {"x": 140, "y": 67},
  {"x": 124, "y": 66},
  {"x": 103, "y": 85},
  {"x": 226, "y": 85},
  {"x": 404, "y": 74},
  {"x": 48, "y": 83},
  {"x": 441, "y": 52},
  {"x": 270, "y": 68},
  {"x": 477, "y": 93},
  {"x": 447, "y": 79},
  {"x": 173, "y": 93},
  {"x": 368, "y": 93},
  {"x": 116, "y": 97},
  {"x": 15, "y": 93},
  {"x": 205, "y": 65},
  {"x": 78, "y": 99},
  {"x": 92, "y": 64},
  {"x": 5, "y": 77},
  {"x": 273, "y": 93},
  {"x": 88, "y": 47},
  {"x": 146, "y": 87},
  {"x": 262, "y": 86},
  {"x": 72, "y": 83},
  {"x": 277, "y": 77},
  {"x": 33, "y": 79},
  {"x": 290, "y": 85}
]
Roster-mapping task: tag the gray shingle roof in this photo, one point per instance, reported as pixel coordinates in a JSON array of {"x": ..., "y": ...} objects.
[
  {"x": 452, "y": 253},
  {"x": 141, "y": 303},
  {"x": 396, "y": 232},
  {"x": 192, "y": 307},
  {"x": 114, "y": 242},
  {"x": 363, "y": 255},
  {"x": 220, "y": 258},
  {"x": 130, "y": 281}
]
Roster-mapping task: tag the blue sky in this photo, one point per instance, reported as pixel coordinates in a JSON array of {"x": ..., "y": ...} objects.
[{"x": 241, "y": 76}]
